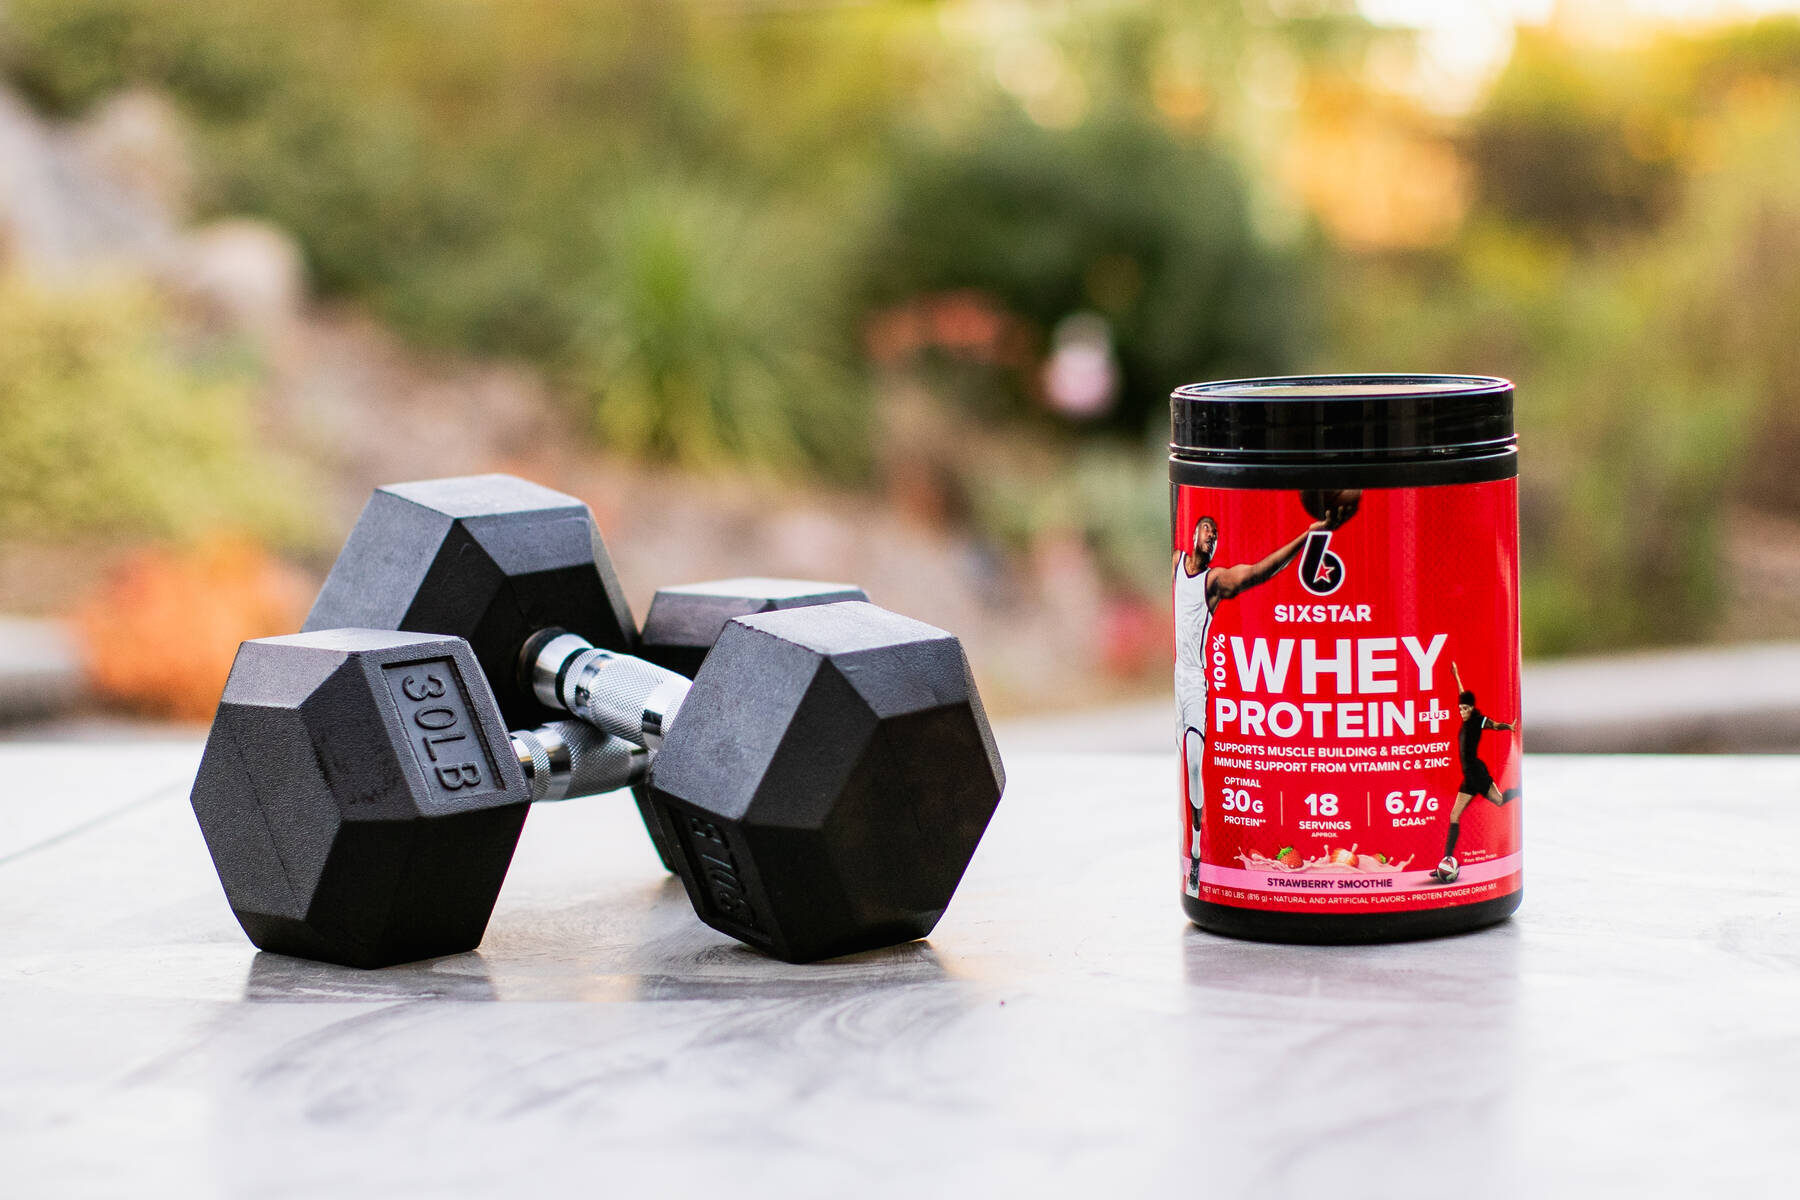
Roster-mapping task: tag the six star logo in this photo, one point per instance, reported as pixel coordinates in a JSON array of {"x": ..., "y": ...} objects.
[{"x": 1321, "y": 571}]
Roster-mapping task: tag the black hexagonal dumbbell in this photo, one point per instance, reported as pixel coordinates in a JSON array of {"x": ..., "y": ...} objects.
[
  {"x": 821, "y": 783},
  {"x": 685, "y": 621},
  {"x": 413, "y": 540},
  {"x": 494, "y": 559},
  {"x": 491, "y": 559},
  {"x": 361, "y": 797}
]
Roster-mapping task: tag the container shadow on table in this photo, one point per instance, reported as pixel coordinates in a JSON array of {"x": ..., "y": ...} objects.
[{"x": 1479, "y": 969}]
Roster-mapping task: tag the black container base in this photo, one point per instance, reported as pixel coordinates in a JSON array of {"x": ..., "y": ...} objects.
[{"x": 1343, "y": 929}]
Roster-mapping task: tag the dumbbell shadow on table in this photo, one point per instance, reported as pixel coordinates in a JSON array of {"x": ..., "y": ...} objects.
[
  {"x": 495, "y": 560},
  {"x": 821, "y": 784}
]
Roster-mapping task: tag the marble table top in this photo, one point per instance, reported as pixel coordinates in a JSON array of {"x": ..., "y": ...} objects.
[{"x": 1635, "y": 1030}]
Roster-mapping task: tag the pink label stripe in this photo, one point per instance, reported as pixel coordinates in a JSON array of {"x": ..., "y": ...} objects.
[{"x": 1327, "y": 881}]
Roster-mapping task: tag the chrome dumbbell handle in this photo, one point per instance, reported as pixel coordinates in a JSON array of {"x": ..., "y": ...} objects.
[
  {"x": 621, "y": 694},
  {"x": 564, "y": 759}
]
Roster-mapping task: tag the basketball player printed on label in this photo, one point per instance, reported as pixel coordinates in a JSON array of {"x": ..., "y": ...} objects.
[
  {"x": 1199, "y": 587},
  {"x": 1331, "y": 751}
]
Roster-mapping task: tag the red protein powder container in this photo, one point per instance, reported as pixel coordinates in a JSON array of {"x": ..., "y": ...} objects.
[{"x": 1346, "y": 586}]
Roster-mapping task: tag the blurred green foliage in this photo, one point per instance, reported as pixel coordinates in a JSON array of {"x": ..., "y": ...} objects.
[
  {"x": 107, "y": 426},
  {"x": 1653, "y": 340},
  {"x": 1574, "y": 145},
  {"x": 692, "y": 215},
  {"x": 1626, "y": 447},
  {"x": 685, "y": 339},
  {"x": 647, "y": 199},
  {"x": 1113, "y": 496},
  {"x": 1043, "y": 222}
]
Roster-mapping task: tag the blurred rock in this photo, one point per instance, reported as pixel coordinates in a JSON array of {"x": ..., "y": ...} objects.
[
  {"x": 1762, "y": 576},
  {"x": 40, "y": 669},
  {"x": 111, "y": 193},
  {"x": 349, "y": 397},
  {"x": 137, "y": 142},
  {"x": 1713, "y": 699},
  {"x": 241, "y": 274},
  {"x": 919, "y": 444},
  {"x": 808, "y": 544},
  {"x": 78, "y": 199}
]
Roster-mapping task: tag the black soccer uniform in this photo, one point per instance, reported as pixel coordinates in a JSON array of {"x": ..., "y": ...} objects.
[{"x": 1477, "y": 779}]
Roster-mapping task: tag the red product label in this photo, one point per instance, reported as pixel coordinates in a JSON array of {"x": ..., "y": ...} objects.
[{"x": 1327, "y": 645}]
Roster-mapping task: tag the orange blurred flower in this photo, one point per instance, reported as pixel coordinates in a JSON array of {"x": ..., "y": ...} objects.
[{"x": 161, "y": 631}]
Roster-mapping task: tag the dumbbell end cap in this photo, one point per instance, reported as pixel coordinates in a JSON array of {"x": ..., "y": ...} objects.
[
  {"x": 359, "y": 796},
  {"x": 853, "y": 777},
  {"x": 542, "y": 660}
]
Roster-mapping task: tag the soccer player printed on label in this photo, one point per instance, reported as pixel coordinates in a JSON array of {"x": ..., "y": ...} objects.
[
  {"x": 1477, "y": 780},
  {"x": 1199, "y": 586}
]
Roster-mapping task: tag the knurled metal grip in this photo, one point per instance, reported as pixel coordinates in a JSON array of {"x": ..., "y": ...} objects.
[
  {"x": 570, "y": 758},
  {"x": 625, "y": 696}
]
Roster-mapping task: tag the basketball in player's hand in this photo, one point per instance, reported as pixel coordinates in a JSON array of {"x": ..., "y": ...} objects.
[{"x": 1335, "y": 505}]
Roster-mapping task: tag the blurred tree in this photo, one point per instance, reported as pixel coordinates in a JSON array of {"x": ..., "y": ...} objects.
[
  {"x": 1655, "y": 384},
  {"x": 1581, "y": 142},
  {"x": 1118, "y": 216},
  {"x": 687, "y": 210},
  {"x": 1569, "y": 143},
  {"x": 455, "y": 166},
  {"x": 1626, "y": 440}
]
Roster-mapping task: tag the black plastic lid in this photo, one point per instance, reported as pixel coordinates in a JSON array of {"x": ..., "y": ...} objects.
[{"x": 1343, "y": 418}]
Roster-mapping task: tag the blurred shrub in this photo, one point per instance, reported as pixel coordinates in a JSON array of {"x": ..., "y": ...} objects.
[
  {"x": 1647, "y": 380},
  {"x": 1572, "y": 143},
  {"x": 1116, "y": 498},
  {"x": 1626, "y": 444},
  {"x": 107, "y": 426},
  {"x": 1121, "y": 216},
  {"x": 457, "y": 168},
  {"x": 1741, "y": 251},
  {"x": 686, "y": 211},
  {"x": 704, "y": 337},
  {"x": 1634, "y": 263},
  {"x": 480, "y": 174},
  {"x": 161, "y": 631},
  {"x": 1582, "y": 143},
  {"x": 67, "y": 54}
]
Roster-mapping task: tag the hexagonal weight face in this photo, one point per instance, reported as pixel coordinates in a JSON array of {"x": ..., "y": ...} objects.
[
  {"x": 359, "y": 797},
  {"x": 490, "y": 558},
  {"x": 854, "y": 764},
  {"x": 685, "y": 621}
]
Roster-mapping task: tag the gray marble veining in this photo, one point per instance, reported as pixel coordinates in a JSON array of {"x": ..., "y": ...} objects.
[{"x": 1635, "y": 1030}]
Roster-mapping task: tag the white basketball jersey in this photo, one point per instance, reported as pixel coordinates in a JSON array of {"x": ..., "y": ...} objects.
[{"x": 1192, "y": 618}]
